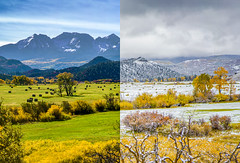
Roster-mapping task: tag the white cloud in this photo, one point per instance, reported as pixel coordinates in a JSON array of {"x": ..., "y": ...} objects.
[{"x": 72, "y": 23}]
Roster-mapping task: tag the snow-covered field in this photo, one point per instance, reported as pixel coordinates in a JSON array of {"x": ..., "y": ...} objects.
[
  {"x": 198, "y": 111},
  {"x": 129, "y": 91}
]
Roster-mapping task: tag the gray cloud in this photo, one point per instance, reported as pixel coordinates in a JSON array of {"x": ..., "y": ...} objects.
[{"x": 170, "y": 28}]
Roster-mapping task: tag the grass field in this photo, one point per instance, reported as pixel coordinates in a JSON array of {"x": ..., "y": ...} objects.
[
  {"x": 18, "y": 94},
  {"x": 49, "y": 141},
  {"x": 92, "y": 127}
]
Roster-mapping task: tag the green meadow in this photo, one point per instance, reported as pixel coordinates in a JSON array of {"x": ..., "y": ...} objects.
[
  {"x": 18, "y": 94},
  {"x": 92, "y": 127}
]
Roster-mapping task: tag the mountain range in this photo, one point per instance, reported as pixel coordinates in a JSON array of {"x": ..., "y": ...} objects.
[
  {"x": 142, "y": 69},
  {"x": 65, "y": 50},
  {"x": 197, "y": 66}
]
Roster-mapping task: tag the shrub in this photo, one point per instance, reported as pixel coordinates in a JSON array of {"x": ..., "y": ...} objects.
[
  {"x": 10, "y": 146},
  {"x": 31, "y": 109},
  {"x": 44, "y": 106},
  {"x": 124, "y": 105},
  {"x": 66, "y": 107},
  {"x": 200, "y": 129},
  {"x": 225, "y": 122},
  {"x": 220, "y": 97},
  {"x": 19, "y": 116},
  {"x": 159, "y": 101},
  {"x": 112, "y": 103},
  {"x": 81, "y": 107},
  {"x": 143, "y": 101},
  {"x": 46, "y": 117},
  {"x": 36, "y": 109},
  {"x": 100, "y": 105},
  {"x": 220, "y": 123},
  {"x": 146, "y": 121},
  {"x": 56, "y": 111},
  {"x": 184, "y": 99}
]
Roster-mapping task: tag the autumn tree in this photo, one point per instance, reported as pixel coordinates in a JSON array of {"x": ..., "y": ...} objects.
[
  {"x": 183, "y": 78},
  {"x": 2, "y": 81},
  {"x": 7, "y": 81},
  {"x": 220, "y": 78},
  {"x": 202, "y": 86},
  {"x": 22, "y": 80},
  {"x": 65, "y": 82},
  {"x": 135, "y": 80}
]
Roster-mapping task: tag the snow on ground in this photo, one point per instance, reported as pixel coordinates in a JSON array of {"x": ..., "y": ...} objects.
[
  {"x": 199, "y": 111},
  {"x": 129, "y": 91}
]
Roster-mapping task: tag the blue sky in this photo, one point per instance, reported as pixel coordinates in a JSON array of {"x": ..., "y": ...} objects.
[{"x": 22, "y": 18}]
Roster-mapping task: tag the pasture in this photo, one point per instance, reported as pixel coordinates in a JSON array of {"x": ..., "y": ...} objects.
[
  {"x": 92, "y": 127},
  {"x": 87, "y": 92}
]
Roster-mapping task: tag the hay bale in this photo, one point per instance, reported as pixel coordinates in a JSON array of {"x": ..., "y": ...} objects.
[
  {"x": 46, "y": 92},
  {"x": 36, "y": 100},
  {"x": 33, "y": 95},
  {"x": 110, "y": 89},
  {"x": 117, "y": 94},
  {"x": 40, "y": 95},
  {"x": 29, "y": 100},
  {"x": 26, "y": 89},
  {"x": 102, "y": 89},
  {"x": 9, "y": 91}
]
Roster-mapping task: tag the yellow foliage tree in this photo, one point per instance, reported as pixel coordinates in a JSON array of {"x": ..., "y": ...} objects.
[
  {"x": 2, "y": 81},
  {"x": 220, "y": 79},
  {"x": 202, "y": 85},
  {"x": 182, "y": 78}
]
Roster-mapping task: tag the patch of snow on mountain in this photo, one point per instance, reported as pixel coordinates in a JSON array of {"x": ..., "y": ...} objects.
[
  {"x": 236, "y": 67},
  {"x": 73, "y": 39},
  {"x": 70, "y": 50}
]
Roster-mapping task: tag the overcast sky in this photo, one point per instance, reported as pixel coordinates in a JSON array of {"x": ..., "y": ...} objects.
[
  {"x": 171, "y": 28},
  {"x": 22, "y": 18}
]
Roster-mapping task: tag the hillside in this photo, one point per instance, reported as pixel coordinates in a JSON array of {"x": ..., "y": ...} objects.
[
  {"x": 65, "y": 50},
  {"x": 208, "y": 65},
  {"x": 142, "y": 69},
  {"x": 98, "y": 68},
  {"x": 12, "y": 66}
]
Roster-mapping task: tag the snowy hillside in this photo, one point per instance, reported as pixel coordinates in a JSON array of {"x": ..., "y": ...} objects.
[
  {"x": 142, "y": 69},
  {"x": 208, "y": 65}
]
